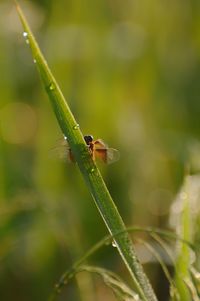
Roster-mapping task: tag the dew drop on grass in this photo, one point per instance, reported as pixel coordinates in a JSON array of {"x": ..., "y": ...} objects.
[
  {"x": 25, "y": 34},
  {"x": 34, "y": 61},
  {"x": 51, "y": 87},
  {"x": 76, "y": 127},
  {"x": 114, "y": 244},
  {"x": 92, "y": 170}
]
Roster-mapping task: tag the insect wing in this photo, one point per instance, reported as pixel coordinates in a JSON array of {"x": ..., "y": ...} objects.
[
  {"x": 113, "y": 155},
  {"x": 100, "y": 150},
  {"x": 62, "y": 151},
  {"x": 100, "y": 144},
  {"x": 103, "y": 152}
]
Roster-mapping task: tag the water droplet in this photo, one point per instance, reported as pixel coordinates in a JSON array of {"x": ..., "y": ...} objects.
[
  {"x": 34, "y": 61},
  {"x": 65, "y": 138},
  {"x": 92, "y": 170},
  {"x": 114, "y": 244},
  {"x": 76, "y": 127},
  {"x": 51, "y": 87},
  {"x": 25, "y": 34}
]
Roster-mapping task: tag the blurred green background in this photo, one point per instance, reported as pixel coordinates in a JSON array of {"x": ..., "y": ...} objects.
[{"x": 131, "y": 73}]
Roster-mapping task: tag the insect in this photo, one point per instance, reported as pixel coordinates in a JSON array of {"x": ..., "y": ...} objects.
[{"x": 98, "y": 149}]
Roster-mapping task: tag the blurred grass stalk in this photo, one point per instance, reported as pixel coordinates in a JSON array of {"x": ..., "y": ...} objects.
[
  {"x": 88, "y": 168},
  {"x": 183, "y": 262}
]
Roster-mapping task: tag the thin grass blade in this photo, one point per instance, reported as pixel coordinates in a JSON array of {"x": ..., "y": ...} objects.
[{"x": 88, "y": 168}]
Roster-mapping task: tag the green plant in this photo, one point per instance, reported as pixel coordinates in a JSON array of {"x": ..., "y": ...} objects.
[
  {"x": 162, "y": 237},
  {"x": 88, "y": 168},
  {"x": 185, "y": 285}
]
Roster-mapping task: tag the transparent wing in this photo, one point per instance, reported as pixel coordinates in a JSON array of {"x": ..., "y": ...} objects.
[
  {"x": 113, "y": 155},
  {"x": 103, "y": 152},
  {"x": 100, "y": 144},
  {"x": 62, "y": 151}
]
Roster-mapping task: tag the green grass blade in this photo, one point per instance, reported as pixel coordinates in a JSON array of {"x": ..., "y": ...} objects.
[
  {"x": 153, "y": 232},
  {"x": 113, "y": 281},
  {"x": 88, "y": 168},
  {"x": 183, "y": 228},
  {"x": 155, "y": 253}
]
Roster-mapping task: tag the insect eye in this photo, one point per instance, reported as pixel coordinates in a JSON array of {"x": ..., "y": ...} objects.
[{"x": 88, "y": 139}]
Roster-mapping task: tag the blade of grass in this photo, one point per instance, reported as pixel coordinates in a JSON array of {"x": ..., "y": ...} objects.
[
  {"x": 182, "y": 266},
  {"x": 107, "y": 241},
  {"x": 158, "y": 257},
  {"x": 195, "y": 274},
  {"x": 113, "y": 281},
  {"x": 88, "y": 168}
]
